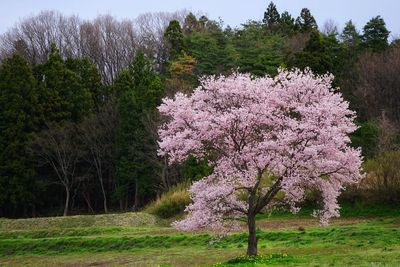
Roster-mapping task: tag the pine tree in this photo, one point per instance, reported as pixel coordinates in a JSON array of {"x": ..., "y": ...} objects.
[
  {"x": 19, "y": 118},
  {"x": 271, "y": 17},
  {"x": 315, "y": 55},
  {"x": 139, "y": 91},
  {"x": 287, "y": 23},
  {"x": 306, "y": 22},
  {"x": 63, "y": 94},
  {"x": 375, "y": 35},
  {"x": 350, "y": 37},
  {"x": 89, "y": 78},
  {"x": 191, "y": 24},
  {"x": 174, "y": 36}
]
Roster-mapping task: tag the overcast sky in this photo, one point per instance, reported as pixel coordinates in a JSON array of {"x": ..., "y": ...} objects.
[{"x": 232, "y": 12}]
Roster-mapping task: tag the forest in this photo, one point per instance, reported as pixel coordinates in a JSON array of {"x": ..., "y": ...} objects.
[{"x": 79, "y": 98}]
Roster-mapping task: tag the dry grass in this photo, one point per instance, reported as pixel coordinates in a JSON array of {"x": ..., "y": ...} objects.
[{"x": 133, "y": 219}]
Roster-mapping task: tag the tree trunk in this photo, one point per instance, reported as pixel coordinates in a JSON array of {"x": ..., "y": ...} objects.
[
  {"x": 121, "y": 204},
  {"x": 87, "y": 200},
  {"x": 66, "y": 201},
  {"x": 137, "y": 199},
  {"x": 252, "y": 241},
  {"x": 103, "y": 191}
]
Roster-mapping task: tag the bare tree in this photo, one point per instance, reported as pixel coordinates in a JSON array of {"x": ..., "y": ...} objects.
[
  {"x": 330, "y": 27},
  {"x": 377, "y": 88},
  {"x": 109, "y": 43},
  {"x": 57, "y": 147},
  {"x": 96, "y": 133},
  {"x": 387, "y": 135}
]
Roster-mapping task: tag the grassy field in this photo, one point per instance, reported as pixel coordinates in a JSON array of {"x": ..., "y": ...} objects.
[{"x": 137, "y": 239}]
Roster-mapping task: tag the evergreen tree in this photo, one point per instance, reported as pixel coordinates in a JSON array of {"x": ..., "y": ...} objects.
[
  {"x": 63, "y": 94},
  {"x": 174, "y": 36},
  {"x": 271, "y": 17},
  {"x": 376, "y": 35},
  {"x": 259, "y": 54},
  {"x": 287, "y": 23},
  {"x": 139, "y": 91},
  {"x": 306, "y": 21},
  {"x": 191, "y": 24},
  {"x": 19, "y": 118},
  {"x": 350, "y": 37},
  {"x": 315, "y": 55},
  {"x": 89, "y": 78},
  {"x": 212, "y": 50}
]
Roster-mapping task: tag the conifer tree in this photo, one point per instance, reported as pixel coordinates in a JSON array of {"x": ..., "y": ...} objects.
[
  {"x": 139, "y": 91},
  {"x": 63, "y": 95},
  {"x": 315, "y": 55},
  {"x": 350, "y": 37},
  {"x": 306, "y": 22},
  {"x": 174, "y": 36},
  {"x": 19, "y": 118},
  {"x": 287, "y": 23},
  {"x": 271, "y": 17},
  {"x": 376, "y": 34}
]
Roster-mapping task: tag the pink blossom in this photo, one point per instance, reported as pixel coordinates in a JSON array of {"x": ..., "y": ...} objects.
[{"x": 264, "y": 135}]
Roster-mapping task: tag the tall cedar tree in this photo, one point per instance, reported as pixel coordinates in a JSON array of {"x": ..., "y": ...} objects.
[
  {"x": 306, "y": 22},
  {"x": 271, "y": 17},
  {"x": 174, "y": 36},
  {"x": 376, "y": 35},
  {"x": 19, "y": 118},
  {"x": 89, "y": 77},
  {"x": 287, "y": 24},
  {"x": 63, "y": 94},
  {"x": 139, "y": 91},
  {"x": 350, "y": 37}
]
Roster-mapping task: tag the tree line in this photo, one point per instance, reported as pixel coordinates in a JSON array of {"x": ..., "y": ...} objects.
[{"x": 78, "y": 99}]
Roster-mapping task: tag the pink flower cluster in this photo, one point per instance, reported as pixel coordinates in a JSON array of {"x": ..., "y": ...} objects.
[{"x": 291, "y": 130}]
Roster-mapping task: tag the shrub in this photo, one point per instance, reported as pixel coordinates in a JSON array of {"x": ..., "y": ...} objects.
[
  {"x": 172, "y": 203},
  {"x": 382, "y": 181}
]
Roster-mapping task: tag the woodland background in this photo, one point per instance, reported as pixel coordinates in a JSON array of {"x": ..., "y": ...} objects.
[{"x": 78, "y": 98}]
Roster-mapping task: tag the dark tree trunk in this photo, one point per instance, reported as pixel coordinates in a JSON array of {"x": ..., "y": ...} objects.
[
  {"x": 121, "y": 204},
  {"x": 87, "y": 200},
  {"x": 103, "y": 191},
  {"x": 252, "y": 241},
  {"x": 66, "y": 201},
  {"x": 137, "y": 199}
]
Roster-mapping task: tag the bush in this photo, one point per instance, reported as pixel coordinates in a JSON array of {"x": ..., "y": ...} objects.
[
  {"x": 172, "y": 203},
  {"x": 382, "y": 181}
]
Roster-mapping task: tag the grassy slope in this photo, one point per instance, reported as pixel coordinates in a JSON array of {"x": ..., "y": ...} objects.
[
  {"x": 361, "y": 241},
  {"x": 119, "y": 219}
]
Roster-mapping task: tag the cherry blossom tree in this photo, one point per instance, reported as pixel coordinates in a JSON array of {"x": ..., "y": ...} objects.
[{"x": 261, "y": 136}]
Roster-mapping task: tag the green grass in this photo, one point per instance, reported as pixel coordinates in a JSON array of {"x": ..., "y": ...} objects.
[
  {"x": 346, "y": 211},
  {"x": 352, "y": 241},
  {"x": 119, "y": 219}
]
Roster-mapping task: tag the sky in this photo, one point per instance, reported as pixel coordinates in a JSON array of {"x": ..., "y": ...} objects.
[{"x": 232, "y": 12}]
